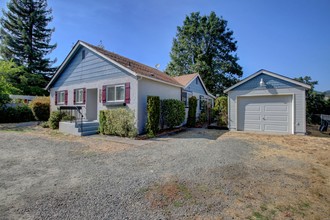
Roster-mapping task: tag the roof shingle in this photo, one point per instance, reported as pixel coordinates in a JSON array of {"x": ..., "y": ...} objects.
[{"x": 185, "y": 79}]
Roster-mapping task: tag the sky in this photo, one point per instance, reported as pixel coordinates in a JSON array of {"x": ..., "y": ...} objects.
[{"x": 289, "y": 37}]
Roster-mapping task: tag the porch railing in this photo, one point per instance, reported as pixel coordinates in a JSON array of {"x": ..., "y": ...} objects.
[{"x": 74, "y": 113}]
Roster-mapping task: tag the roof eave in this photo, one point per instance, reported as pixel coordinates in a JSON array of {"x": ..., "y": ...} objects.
[
  {"x": 74, "y": 48},
  {"x": 271, "y": 74},
  {"x": 162, "y": 81}
]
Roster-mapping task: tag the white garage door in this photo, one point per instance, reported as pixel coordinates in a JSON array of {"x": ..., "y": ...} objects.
[{"x": 265, "y": 113}]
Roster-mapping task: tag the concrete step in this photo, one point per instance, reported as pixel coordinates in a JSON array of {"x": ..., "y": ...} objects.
[
  {"x": 86, "y": 133},
  {"x": 88, "y": 128},
  {"x": 87, "y": 124}
]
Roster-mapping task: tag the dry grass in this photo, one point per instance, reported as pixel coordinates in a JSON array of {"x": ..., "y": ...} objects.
[
  {"x": 294, "y": 192},
  {"x": 88, "y": 145},
  {"x": 287, "y": 178}
]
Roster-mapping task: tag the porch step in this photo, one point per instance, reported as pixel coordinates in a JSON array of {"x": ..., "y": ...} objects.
[{"x": 81, "y": 129}]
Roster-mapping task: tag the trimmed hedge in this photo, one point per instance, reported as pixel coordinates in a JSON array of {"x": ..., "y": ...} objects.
[
  {"x": 40, "y": 107},
  {"x": 172, "y": 112},
  {"x": 191, "y": 122},
  {"x": 153, "y": 109},
  {"x": 221, "y": 108},
  {"x": 119, "y": 122},
  {"x": 20, "y": 113}
]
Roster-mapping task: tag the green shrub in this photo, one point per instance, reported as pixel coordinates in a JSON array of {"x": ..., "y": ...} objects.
[
  {"x": 153, "y": 109},
  {"x": 191, "y": 122},
  {"x": 202, "y": 118},
  {"x": 20, "y": 113},
  {"x": 103, "y": 122},
  {"x": 45, "y": 124},
  {"x": 4, "y": 99},
  {"x": 40, "y": 107},
  {"x": 221, "y": 109},
  {"x": 66, "y": 117},
  {"x": 119, "y": 122},
  {"x": 172, "y": 112},
  {"x": 54, "y": 119}
]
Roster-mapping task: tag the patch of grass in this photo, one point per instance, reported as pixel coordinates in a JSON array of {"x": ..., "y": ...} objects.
[
  {"x": 186, "y": 192},
  {"x": 258, "y": 216},
  {"x": 263, "y": 207},
  {"x": 178, "y": 204}
]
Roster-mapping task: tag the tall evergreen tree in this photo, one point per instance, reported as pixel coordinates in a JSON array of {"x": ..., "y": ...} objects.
[
  {"x": 25, "y": 36},
  {"x": 206, "y": 46}
]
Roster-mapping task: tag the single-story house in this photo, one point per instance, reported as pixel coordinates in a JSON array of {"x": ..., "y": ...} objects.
[
  {"x": 267, "y": 102},
  {"x": 95, "y": 79},
  {"x": 193, "y": 85}
]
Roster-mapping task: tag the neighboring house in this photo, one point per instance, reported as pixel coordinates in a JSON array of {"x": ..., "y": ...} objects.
[
  {"x": 193, "y": 85},
  {"x": 96, "y": 79},
  {"x": 267, "y": 102},
  {"x": 17, "y": 100}
]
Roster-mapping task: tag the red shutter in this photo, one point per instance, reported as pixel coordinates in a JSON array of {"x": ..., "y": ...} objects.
[
  {"x": 55, "y": 97},
  {"x": 127, "y": 93},
  {"x": 74, "y": 96},
  {"x": 84, "y": 95},
  {"x": 104, "y": 94},
  {"x": 66, "y": 97}
]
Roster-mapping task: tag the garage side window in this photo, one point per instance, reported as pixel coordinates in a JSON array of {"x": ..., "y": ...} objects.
[
  {"x": 202, "y": 102},
  {"x": 184, "y": 98}
]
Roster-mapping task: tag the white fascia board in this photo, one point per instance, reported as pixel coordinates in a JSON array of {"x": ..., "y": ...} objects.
[
  {"x": 73, "y": 50},
  {"x": 200, "y": 78},
  {"x": 161, "y": 81},
  {"x": 105, "y": 57},
  {"x": 270, "y": 74},
  {"x": 110, "y": 60}
]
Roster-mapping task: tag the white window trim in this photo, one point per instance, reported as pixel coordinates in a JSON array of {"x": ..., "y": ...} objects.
[
  {"x": 59, "y": 97},
  {"x": 115, "y": 86},
  {"x": 77, "y": 96}
]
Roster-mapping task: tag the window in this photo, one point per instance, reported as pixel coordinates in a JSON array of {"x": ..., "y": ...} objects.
[
  {"x": 197, "y": 81},
  {"x": 61, "y": 97},
  {"x": 83, "y": 54},
  {"x": 184, "y": 98},
  {"x": 116, "y": 93},
  {"x": 202, "y": 103},
  {"x": 79, "y": 96}
]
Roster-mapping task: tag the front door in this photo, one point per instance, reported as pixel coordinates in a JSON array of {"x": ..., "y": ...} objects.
[{"x": 91, "y": 105}]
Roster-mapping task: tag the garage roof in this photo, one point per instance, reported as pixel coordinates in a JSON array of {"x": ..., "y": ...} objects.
[{"x": 262, "y": 71}]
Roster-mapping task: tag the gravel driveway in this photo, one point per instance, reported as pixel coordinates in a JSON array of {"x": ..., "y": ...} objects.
[{"x": 194, "y": 174}]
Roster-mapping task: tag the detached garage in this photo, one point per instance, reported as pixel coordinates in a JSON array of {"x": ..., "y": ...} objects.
[{"x": 267, "y": 102}]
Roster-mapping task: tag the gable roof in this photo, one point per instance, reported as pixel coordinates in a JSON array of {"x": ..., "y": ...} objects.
[
  {"x": 262, "y": 71},
  {"x": 131, "y": 66},
  {"x": 186, "y": 79}
]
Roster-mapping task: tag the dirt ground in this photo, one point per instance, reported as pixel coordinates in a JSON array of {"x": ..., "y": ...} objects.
[
  {"x": 201, "y": 174},
  {"x": 300, "y": 186}
]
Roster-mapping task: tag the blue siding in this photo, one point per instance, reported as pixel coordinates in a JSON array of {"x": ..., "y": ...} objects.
[
  {"x": 271, "y": 82},
  {"x": 198, "y": 88},
  {"x": 89, "y": 69}
]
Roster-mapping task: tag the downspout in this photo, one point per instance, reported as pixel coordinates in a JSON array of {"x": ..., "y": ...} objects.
[{"x": 138, "y": 78}]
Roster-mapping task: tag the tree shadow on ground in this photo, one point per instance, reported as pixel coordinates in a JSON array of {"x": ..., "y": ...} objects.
[{"x": 198, "y": 133}]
